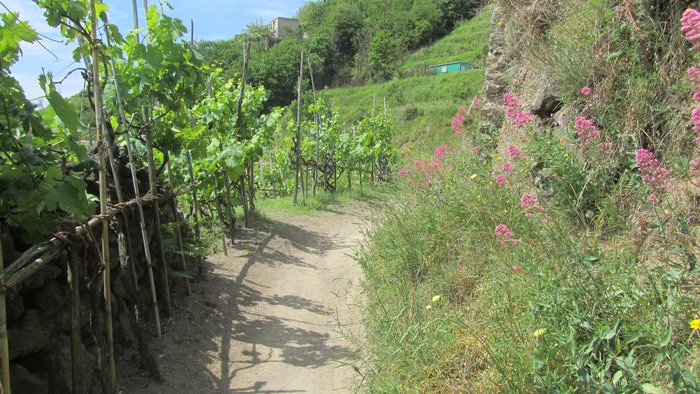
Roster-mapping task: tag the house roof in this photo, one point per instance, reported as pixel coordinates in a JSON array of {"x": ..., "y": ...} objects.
[{"x": 447, "y": 64}]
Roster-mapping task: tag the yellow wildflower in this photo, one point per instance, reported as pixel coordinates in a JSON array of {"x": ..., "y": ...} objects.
[
  {"x": 473, "y": 176},
  {"x": 428, "y": 307},
  {"x": 539, "y": 332},
  {"x": 436, "y": 298},
  {"x": 695, "y": 324}
]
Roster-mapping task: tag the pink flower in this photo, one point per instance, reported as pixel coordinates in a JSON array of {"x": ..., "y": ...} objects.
[
  {"x": 653, "y": 173},
  {"x": 529, "y": 202},
  {"x": 690, "y": 25},
  {"x": 503, "y": 234},
  {"x": 696, "y": 96},
  {"x": 417, "y": 164},
  {"x": 462, "y": 110},
  {"x": 695, "y": 116},
  {"x": 586, "y": 90},
  {"x": 458, "y": 121},
  {"x": 507, "y": 167},
  {"x": 510, "y": 100},
  {"x": 441, "y": 151},
  {"x": 694, "y": 74},
  {"x": 501, "y": 180},
  {"x": 547, "y": 219},
  {"x": 517, "y": 269},
  {"x": 476, "y": 102},
  {"x": 514, "y": 152},
  {"x": 477, "y": 149},
  {"x": 695, "y": 165}
]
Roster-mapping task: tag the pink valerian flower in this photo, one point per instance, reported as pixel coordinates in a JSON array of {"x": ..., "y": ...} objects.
[
  {"x": 653, "y": 173},
  {"x": 417, "y": 164},
  {"x": 458, "y": 122},
  {"x": 586, "y": 91},
  {"x": 547, "y": 219},
  {"x": 696, "y": 96},
  {"x": 510, "y": 100},
  {"x": 503, "y": 234},
  {"x": 514, "y": 152},
  {"x": 476, "y": 102},
  {"x": 514, "y": 110},
  {"x": 404, "y": 172},
  {"x": 694, "y": 74},
  {"x": 501, "y": 180},
  {"x": 589, "y": 137},
  {"x": 507, "y": 167},
  {"x": 517, "y": 269},
  {"x": 695, "y": 165},
  {"x": 586, "y": 131},
  {"x": 529, "y": 202},
  {"x": 462, "y": 110},
  {"x": 477, "y": 149},
  {"x": 695, "y": 117},
  {"x": 440, "y": 151},
  {"x": 690, "y": 25}
]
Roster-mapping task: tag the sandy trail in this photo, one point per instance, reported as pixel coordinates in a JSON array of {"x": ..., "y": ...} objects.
[{"x": 271, "y": 317}]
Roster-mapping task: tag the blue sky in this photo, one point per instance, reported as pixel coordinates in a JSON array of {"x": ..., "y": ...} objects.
[{"x": 213, "y": 20}]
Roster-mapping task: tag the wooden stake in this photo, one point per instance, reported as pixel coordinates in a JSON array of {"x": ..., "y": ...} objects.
[
  {"x": 229, "y": 207},
  {"x": 297, "y": 144},
  {"x": 183, "y": 264},
  {"x": 153, "y": 191},
  {"x": 97, "y": 90},
  {"x": 4, "y": 347},
  {"x": 137, "y": 193},
  {"x": 317, "y": 117},
  {"x": 73, "y": 281},
  {"x": 193, "y": 188},
  {"x": 246, "y": 200},
  {"x": 221, "y": 216}
]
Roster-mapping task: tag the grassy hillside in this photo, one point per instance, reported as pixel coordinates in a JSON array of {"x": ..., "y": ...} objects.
[
  {"x": 565, "y": 261},
  {"x": 420, "y": 108},
  {"x": 468, "y": 42}
]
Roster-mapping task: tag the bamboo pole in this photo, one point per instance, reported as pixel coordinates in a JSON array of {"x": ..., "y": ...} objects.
[
  {"x": 317, "y": 117},
  {"x": 73, "y": 281},
  {"x": 195, "y": 203},
  {"x": 183, "y": 264},
  {"x": 221, "y": 216},
  {"x": 229, "y": 207},
  {"x": 4, "y": 347},
  {"x": 297, "y": 144},
  {"x": 153, "y": 191},
  {"x": 97, "y": 91},
  {"x": 158, "y": 233},
  {"x": 137, "y": 194},
  {"x": 246, "y": 200}
]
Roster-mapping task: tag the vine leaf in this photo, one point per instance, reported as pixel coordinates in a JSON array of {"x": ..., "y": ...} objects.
[{"x": 65, "y": 111}]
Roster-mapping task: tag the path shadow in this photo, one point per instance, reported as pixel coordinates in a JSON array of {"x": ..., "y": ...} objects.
[{"x": 219, "y": 315}]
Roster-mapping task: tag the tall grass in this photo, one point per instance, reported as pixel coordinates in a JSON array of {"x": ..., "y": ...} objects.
[{"x": 555, "y": 308}]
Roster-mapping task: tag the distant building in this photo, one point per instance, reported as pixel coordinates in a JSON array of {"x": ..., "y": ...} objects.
[
  {"x": 283, "y": 27},
  {"x": 453, "y": 67}
]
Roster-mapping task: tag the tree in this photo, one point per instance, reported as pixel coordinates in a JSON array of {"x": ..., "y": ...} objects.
[{"x": 383, "y": 54}]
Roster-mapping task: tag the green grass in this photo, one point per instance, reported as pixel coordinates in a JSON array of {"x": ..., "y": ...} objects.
[
  {"x": 324, "y": 201},
  {"x": 467, "y": 42},
  {"x": 420, "y": 108},
  {"x": 558, "y": 308}
]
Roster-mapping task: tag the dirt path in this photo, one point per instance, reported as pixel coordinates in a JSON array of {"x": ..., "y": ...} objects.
[{"x": 271, "y": 317}]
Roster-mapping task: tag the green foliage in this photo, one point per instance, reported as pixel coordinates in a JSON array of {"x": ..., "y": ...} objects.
[
  {"x": 554, "y": 308},
  {"x": 419, "y": 108},
  {"x": 467, "y": 42},
  {"x": 383, "y": 54}
]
